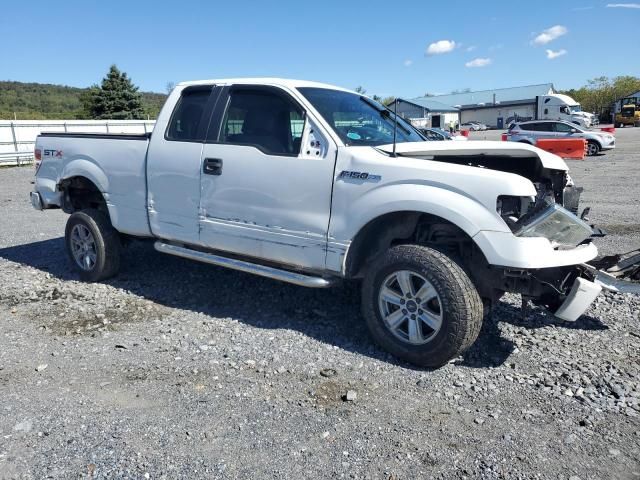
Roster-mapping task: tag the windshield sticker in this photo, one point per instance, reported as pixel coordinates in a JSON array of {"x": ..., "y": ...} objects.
[{"x": 353, "y": 136}]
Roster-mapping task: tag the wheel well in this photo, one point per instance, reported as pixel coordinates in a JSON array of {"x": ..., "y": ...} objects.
[
  {"x": 423, "y": 229},
  {"x": 591, "y": 140},
  {"x": 80, "y": 193}
]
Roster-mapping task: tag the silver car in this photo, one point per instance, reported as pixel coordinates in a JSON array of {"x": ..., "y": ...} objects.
[{"x": 530, "y": 132}]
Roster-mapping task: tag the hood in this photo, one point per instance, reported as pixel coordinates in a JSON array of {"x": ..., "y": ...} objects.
[{"x": 475, "y": 149}]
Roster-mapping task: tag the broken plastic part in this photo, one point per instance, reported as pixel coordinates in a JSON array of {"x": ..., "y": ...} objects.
[{"x": 582, "y": 294}]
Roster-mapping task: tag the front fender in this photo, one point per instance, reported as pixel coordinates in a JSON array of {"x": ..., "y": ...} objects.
[{"x": 468, "y": 214}]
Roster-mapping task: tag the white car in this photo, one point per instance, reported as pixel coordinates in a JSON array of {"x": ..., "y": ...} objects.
[
  {"x": 315, "y": 185},
  {"x": 470, "y": 126},
  {"x": 437, "y": 134},
  {"x": 530, "y": 132}
]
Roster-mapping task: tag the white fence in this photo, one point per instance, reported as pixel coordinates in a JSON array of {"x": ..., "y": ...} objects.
[{"x": 18, "y": 137}]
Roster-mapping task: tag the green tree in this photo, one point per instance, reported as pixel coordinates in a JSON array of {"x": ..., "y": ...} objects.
[
  {"x": 117, "y": 98},
  {"x": 388, "y": 100},
  {"x": 599, "y": 94}
]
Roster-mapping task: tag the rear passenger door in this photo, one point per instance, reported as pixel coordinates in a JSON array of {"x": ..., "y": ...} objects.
[
  {"x": 267, "y": 176},
  {"x": 562, "y": 130},
  {"x": 173, "y": 166}
]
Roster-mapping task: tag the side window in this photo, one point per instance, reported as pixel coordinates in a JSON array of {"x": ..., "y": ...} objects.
[
  {"x": 266, "y": 120},
  {"x": 546, "y": 111},
  {"x": 529, "y": 127},
  {"x": 187, "y": 116},
  {"x": 562, "y": 127},
  {"x": 545, "y": 127}
]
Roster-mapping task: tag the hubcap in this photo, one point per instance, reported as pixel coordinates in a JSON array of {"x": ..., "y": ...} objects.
[
  {"x": 592, "y": 149},
  {"x": 410, "y": 307},
  {"x": 83, "y": 247}
]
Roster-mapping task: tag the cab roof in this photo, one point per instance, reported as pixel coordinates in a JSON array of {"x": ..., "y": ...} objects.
[{"x": 280, "y": 82}]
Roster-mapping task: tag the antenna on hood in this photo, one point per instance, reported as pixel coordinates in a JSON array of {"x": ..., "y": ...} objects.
[{"x": 395, "y": 125}]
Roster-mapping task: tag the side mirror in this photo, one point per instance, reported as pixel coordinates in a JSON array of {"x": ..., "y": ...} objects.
[{"x": 573, "y": 130}]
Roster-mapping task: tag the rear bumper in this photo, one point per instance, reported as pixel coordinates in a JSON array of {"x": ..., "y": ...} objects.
[
  {"x": 47, "y": 193},
  {"x": 36, "y": 201}
]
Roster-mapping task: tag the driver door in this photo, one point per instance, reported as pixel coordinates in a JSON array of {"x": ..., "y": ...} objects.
[{"x": 266, "y": 179}]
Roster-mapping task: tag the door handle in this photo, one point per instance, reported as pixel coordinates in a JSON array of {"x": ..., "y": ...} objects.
[{"x": 212, "y": 166}]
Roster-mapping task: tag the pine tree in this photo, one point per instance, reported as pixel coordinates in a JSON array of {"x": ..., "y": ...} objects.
[{"x": 117, "y": 98}]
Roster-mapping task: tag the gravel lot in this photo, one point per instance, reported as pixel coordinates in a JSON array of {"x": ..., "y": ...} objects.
[{"x": 180, "y": 370}]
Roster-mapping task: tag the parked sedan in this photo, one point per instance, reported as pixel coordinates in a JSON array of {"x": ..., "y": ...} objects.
[
  {"x": 475, "y": 126},
  {"x": 437, "y": 134},
  {"x": 470, "y": 126},
  {"x": 530, "y": 132}
]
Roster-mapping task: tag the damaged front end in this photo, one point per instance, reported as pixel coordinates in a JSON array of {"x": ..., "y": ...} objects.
[{"x": 565, "y": 291}]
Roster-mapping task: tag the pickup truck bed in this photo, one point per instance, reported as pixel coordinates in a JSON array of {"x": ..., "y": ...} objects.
[{"x": 122, "y": 155}]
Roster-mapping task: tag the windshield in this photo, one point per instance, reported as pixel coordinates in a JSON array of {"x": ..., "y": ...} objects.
[
  {"x": 575, "y": 108},
  {"x": 358, "y": 120}
]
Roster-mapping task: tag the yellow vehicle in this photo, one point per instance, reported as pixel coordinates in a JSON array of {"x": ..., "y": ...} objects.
[{"x": 629, "y": 112}]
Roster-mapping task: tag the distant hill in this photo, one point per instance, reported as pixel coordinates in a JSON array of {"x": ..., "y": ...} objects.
[{"x": 42, "y": 101}]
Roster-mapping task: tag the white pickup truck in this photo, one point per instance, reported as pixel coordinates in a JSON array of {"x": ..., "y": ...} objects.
[{"x": 313, "y": 184}]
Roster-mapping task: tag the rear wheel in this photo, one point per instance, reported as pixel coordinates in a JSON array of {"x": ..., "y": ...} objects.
[
  {"x": 93, "y": 245},
  {"x": 421, "y": 306},
  {"x": 592, "y": 148}
]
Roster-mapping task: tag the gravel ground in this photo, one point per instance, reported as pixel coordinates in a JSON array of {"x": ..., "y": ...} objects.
[{"x": 180, "y": 370}]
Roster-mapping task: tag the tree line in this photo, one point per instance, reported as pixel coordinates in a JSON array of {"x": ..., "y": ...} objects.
[
  {"x": 600, "y": 93},
  {"x": 115, "y": 98},
  {"x": 118, "y": 98}
]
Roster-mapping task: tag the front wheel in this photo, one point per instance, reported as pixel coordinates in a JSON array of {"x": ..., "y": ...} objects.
[
  {"x": 420, "y": 305},
  {"x": 592, "y": 148},
  {"x": 93, "y": 245}
]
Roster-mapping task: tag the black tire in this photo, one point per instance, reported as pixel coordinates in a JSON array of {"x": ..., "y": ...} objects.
[
  {"x": 461, "y": 306},
  {"x": 106, "y": 242},
  {"x": 593, "y": 148}
]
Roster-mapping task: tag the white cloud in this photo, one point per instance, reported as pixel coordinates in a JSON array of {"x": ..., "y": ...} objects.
[
  {"x": 623, "y": 5},
  {"x": 478, "y": 62},
  {"x": 440, "y": 47},
  {"x": 558, "y": 53},
  {"x": 549, "y": 35},
  {"x": 471, "y": 48},
  {"x": 408, "y": 63}
]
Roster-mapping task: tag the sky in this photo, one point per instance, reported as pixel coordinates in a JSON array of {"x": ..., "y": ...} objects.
[{"x": 403, "y": 48}]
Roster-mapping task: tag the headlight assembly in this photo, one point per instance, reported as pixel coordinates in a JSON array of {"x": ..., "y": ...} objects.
[{"x": 556, "y": 224}]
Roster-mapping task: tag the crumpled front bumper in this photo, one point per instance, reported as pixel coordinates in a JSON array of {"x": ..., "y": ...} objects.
[
  {"x": 615, "y": 273},
  {"x": 580, "y": 297}
]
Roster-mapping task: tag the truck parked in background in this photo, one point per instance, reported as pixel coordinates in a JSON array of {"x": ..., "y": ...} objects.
[
  {"x": 556, "y": 106},
  {"x": 629, "y": 113}
]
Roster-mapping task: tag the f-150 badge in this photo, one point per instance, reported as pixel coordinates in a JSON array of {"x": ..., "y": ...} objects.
[{"x": 366, "y": 176}]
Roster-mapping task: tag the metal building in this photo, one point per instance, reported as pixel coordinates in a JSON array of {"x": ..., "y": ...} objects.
[
  {"x": 492, "y": 107},
  {"x": 426, "y": 112}
]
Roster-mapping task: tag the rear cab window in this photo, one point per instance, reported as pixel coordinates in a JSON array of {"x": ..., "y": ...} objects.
[{"x": 190, "y": 116}]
